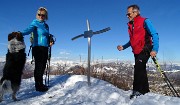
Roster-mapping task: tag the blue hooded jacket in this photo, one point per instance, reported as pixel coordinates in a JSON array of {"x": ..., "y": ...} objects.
[{"x": 40, "y": 32}]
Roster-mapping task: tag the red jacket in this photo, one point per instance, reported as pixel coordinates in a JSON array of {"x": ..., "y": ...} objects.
[{"x": 139, "y": 37}]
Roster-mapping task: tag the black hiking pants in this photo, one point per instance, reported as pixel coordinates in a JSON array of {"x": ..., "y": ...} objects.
[
  {"x": 40, "y": 54},
  {"x": 140, "y": 82}
]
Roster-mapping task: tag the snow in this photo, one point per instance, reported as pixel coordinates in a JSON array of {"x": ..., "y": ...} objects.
[{"x": 74, "y": 90}]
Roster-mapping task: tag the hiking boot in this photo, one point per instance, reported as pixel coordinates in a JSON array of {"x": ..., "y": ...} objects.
[
  {"x": 41, "y": 88},
  {"x": 135, "y": 94}
]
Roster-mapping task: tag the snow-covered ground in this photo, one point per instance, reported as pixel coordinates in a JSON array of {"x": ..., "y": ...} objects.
[{"x": 73, "y": 90}]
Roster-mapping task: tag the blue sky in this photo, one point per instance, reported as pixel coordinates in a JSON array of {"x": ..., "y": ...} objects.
[{"x": 67, "y": 18}]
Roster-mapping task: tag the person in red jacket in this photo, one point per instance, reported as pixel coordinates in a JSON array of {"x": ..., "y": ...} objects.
[{"x": 144, "y": 41}]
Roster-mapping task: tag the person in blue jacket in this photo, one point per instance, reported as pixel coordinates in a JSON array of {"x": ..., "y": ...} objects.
[
  {"x": 144, "y": 41},
  {"x": 40, "y": 43}
]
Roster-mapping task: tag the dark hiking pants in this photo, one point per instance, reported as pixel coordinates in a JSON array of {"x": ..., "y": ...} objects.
[
  {"x": 140, "y": 82},
  {"x": 40, "y": 54}
]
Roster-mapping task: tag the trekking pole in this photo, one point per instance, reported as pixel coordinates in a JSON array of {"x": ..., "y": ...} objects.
[
  {"x": 49, "y": 63},
  {"x": 171, "y": 87},
  {"x": 48, "y": 68},
  {"x": 32, "y": 54},
  {"x": 52, "y": 40},
  {"x": 30, "y": 50},
  {"x": 31, "y": 40}
]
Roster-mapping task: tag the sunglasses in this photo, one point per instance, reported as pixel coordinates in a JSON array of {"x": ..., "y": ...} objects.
[
  {"x": 129, "y": 14},
  {"x": 43, "y": 15}
]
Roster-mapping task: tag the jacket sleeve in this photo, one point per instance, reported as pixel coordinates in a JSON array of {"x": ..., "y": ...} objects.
[
  {"x": 151, "y": 30},
  {"x": 29, "y": 29},
  {"x": 126, "y": 45}
]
